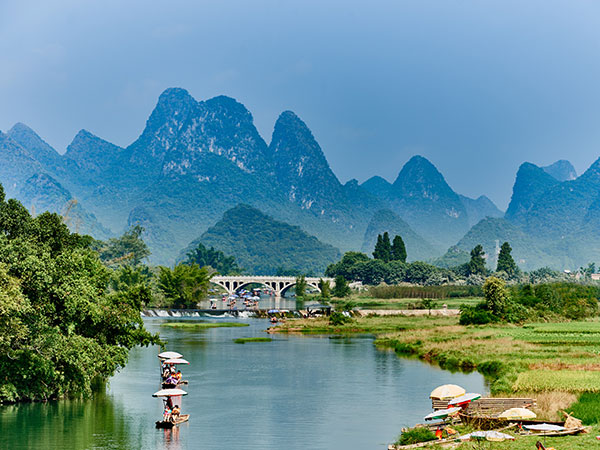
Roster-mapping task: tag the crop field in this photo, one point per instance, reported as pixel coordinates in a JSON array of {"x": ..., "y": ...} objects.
[
  {"x": 411, "y": 303},
  {"x": 559, "y": 380},
  {"x": 591, "y": 327}
]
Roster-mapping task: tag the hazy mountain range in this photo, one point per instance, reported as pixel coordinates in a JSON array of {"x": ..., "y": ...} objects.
[{"x": 196, "y": 160}]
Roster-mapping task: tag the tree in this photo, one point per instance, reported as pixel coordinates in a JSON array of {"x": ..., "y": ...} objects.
[
  {"x": 398, "y": 249},
  {"x": 341, "y": 288},
  {"x": 61, "y": 327},
  {"x": 325, "y": 288},
  {"x": 224, "y": 265},
  {"x": 129, "y": 249},
  {"x": 506, "y": 263},
  {"x": 477, "y": 263},
  {"x": 383, "y": 248},
  {"x": 300, "y": 286},
  {"x": 185, "y": 285},
  {"x": 496, "y": 296},
  {"x": 346, "y": 266}
]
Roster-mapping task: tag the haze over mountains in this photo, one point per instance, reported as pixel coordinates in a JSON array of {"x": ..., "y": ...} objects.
[{"x": 196, "y": 160}]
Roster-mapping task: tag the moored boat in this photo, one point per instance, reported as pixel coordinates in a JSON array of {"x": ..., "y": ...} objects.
[{"x": 486, "y": 422}]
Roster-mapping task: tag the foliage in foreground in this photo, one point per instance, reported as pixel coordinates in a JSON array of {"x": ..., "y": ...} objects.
[
  {"x": 62, "y": 328},
  {"x": 415, "y": 435}
]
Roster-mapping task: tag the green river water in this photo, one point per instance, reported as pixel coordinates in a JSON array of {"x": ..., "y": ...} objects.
[{"x": 293, "y": 393}]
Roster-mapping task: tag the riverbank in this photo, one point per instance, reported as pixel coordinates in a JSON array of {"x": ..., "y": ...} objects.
[{"x": 554, "y": 362}]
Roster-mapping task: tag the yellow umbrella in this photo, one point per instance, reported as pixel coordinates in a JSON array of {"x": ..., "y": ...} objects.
[
  {"x": 518, "y": 413},
  {"x": 447, "y": 391}
]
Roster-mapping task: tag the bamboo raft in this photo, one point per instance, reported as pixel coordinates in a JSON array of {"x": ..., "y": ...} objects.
[
  {"x": 171, "y": 423},
  {"x": 489, "y": 405}
]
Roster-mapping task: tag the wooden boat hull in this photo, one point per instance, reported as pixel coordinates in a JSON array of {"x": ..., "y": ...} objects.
[
  {"x": 171, "y": 423},
  {"x": 492, "y": 423},
  {"x": 173, "y": 386},
  {"x": 567, "y": 432}
]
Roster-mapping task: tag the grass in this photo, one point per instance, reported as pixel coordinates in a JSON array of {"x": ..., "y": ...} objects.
[
  {"x": 556, "y": 363},
  {"x": 558, "y": 380},
  {"x": 587, "y": 408},
  {"x": 535, "y": 358},
  {"x": 252, "y": 339},
  {"x": 202, "y": 325},
  {"x": 407, "y": 303},
  {"x": 580, "y": 442}
]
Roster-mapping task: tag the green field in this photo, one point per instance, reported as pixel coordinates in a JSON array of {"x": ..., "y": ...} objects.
[
  {"x": 557, "y": 363},
  {"x": 409, "y": 303}
]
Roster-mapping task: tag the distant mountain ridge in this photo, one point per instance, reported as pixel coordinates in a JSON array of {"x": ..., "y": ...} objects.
[
  {"x": 195, "y": 160},
  {"x": 264, "y": 246}
]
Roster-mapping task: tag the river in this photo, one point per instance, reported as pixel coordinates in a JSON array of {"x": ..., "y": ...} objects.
[{"x": 293, "y": 393}]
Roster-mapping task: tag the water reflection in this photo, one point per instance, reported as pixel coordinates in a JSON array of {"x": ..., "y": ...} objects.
[{"x": 292, "y": 393}]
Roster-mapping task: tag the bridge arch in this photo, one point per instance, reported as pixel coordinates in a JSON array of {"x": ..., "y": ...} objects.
[
  {"x": 291, "y": 285},
  {"x": 278, "y": 284}
]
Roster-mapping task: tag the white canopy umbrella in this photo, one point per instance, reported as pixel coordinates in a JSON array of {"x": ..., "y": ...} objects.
[
  {"x": 169, "y": 393},
  {"x": 441, "y": 413},
  {"x": 169, "y": 355},
  {"x": 466, "y": 398},
  {"x": 176, "y": 361},
  {"x": 447, "y": 391},
  {"x": 518, "y": 414}
]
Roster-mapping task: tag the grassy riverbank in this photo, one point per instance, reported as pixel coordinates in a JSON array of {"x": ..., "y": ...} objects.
[
  {"x": 408, "y": 303},
  {"x": 557, "y": 361}
]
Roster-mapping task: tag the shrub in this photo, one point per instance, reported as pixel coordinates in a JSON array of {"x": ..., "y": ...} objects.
[
  {"x": 490, "y": 368},
  {"x": 475, "y": 315},
  {"x": 337, "y": 318},
  {"x": 416, "y": 435},
  {"x": 587, "y": 408}
]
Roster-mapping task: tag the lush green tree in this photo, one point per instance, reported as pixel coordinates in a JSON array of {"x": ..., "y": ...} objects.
[
  {"x": 341, "y": 288},
  {"x": 325, "y": 288},
  {"x": 61, "y": 327},
  {"x": 496, "y": 296},
  {"x": 347, "y": 265},
  {"x": 383, "y": 248},
  {"x": 419, "y": 272},
  {"x": 477, "y": 263},
  {"x": 125, "y": 277},
  {"x": 129, "y": 249},
  {"x": 398, "y": 249},
  {"x": 506, "y": 263},
  {"x": 373, "y": 271},
  {"x": 300, "y": 286},
  {"x": 184, "y": 285},
  {"x": 225, "y": 265}
]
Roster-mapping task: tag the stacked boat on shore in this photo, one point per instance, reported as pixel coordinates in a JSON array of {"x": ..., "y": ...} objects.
[{"x": 171, "y": 392}]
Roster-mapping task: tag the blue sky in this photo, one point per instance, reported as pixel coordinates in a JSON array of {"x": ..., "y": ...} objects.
[{"x": 476, "y": 86}]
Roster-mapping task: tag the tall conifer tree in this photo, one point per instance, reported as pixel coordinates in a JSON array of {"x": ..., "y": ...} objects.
[
  {"x": 398, "y": 249},
  {"x": 506, "y": 263},
  {"x": 477, "y": 264}
]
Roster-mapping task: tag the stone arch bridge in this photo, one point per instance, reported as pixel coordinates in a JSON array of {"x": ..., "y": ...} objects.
[{"x": 278, "y": 284}]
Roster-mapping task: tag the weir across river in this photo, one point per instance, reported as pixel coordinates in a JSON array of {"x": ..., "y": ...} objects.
[{"x": 278, "y": 284}]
